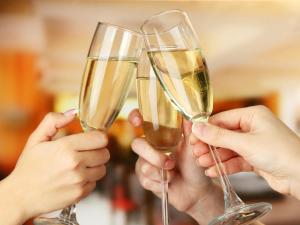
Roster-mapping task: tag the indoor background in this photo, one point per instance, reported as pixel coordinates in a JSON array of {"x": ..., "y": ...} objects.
[{"x": 252, "y": 50}]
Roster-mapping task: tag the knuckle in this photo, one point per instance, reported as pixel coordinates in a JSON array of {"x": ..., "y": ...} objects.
[
  {"x": 98, "y": 138},
  {"x": 79, "y": 192},
  {"x": 50, "y": 117},
  {"x": 262, "y": 109},
  {"x": 145, "y": 183},
  {"x": 201, "y": 162},
  {"x": 102, "y": 172},
  {"x": 102, "y": 138},
  {"x": 78, "y": 178},
  {"x": 73, "y": 161},
  {"x": 260, "y": 114},
  {"x": 146, "y": 169}
]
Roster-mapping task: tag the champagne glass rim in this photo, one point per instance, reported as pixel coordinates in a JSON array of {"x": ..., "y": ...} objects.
[
  {"x": 179, "y": 11},
  {"x": 137, "y": 33}
]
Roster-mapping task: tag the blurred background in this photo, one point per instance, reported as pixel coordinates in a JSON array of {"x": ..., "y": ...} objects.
[{"x": 252, "y": 50}]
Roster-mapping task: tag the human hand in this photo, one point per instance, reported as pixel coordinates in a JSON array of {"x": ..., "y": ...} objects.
[
  {"x": 189, "y": 190},
  {"x": 251, "y": 139},
  {"x": 52, "y": 174}
]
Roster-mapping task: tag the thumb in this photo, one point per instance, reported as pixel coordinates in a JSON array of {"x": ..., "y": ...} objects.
[
  {"x": 50, "y": 125},
  {"x": 219, "y": 137}
]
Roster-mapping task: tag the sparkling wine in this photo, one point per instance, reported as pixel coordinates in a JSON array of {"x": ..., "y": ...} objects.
[
  {"x": 161, "y": 121},
  {"x": 105, "y": 86},
  {"x": 184, "y": 76}
]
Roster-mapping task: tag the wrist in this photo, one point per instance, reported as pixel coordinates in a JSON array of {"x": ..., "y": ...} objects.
[
  {"x": 208, "y": 206},
  {"x": 12, "y": 207}
]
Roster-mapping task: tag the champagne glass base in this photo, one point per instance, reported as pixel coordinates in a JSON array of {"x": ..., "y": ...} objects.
[
  {"x": 243, "y": 215},
  {"x": 52, "y": 221}
]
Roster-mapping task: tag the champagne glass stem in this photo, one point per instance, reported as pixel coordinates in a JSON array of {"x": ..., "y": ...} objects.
[
  {"x": 68, "y": 215},
  {"x": 231, "y": 199},
  {"x": 164, "y": 199}
]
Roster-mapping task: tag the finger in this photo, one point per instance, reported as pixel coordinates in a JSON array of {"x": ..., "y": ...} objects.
[
  {"x": 84, "y": 141},
  {"x": 193, "y": 139},
  {"x": 94, "y": 158},
  {"x": 220, "y": 137},
  {"x": 207, "y": 160},
  {"x": 187, "y": 127},
  {"x": 95, "y": 173},
  {"x": 199, "y": 149},
  {"x": 50, "y": 125},
  {"x": 232, "y": 166},
  {"x": 87, "y": 189},
  {"x": 150, "y": 185},
  {"x": 148, "y": 153},
  {"x": 151, "y": 172},
  {"x": 135, "y": 118},
  {"x": 158, "y": 194},
  {"x": 236, "y": 119}
]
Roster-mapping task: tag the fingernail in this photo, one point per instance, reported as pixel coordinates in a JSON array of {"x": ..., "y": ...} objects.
[
  {"x": 207, "y": 172},
  {"x": 71, "y": 112},
  {"x": 169, "y": 164},
  {"x": 198, "y": 129},
  {"x": 136, "y": 121}
]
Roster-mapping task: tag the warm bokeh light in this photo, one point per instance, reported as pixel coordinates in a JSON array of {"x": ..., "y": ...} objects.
[{"x": 252, "y": 50}]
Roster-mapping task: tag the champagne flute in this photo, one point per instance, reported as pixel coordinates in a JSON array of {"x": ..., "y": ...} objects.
[
  {"x": 110, "y": 70},
  {"x": 162, "y": 123},
  {"x": 173, "y": 49}
]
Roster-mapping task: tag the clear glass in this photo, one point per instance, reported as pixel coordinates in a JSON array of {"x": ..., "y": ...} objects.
[
  {"x": 162, "y": 123},
  {"x": 110, "y": 70},
  {"x": 174, "y": 52}
]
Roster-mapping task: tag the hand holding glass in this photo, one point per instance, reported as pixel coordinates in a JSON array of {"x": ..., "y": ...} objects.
[
  {"x": 110, "y": 70},
  {"x": 173, "y": 49}
]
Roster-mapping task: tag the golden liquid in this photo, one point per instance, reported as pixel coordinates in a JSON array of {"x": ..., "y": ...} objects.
[
  {"x": 184, "y": 76},
  {"x": 104, "y": 88},
  {"x": 162, "y": 122}
]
